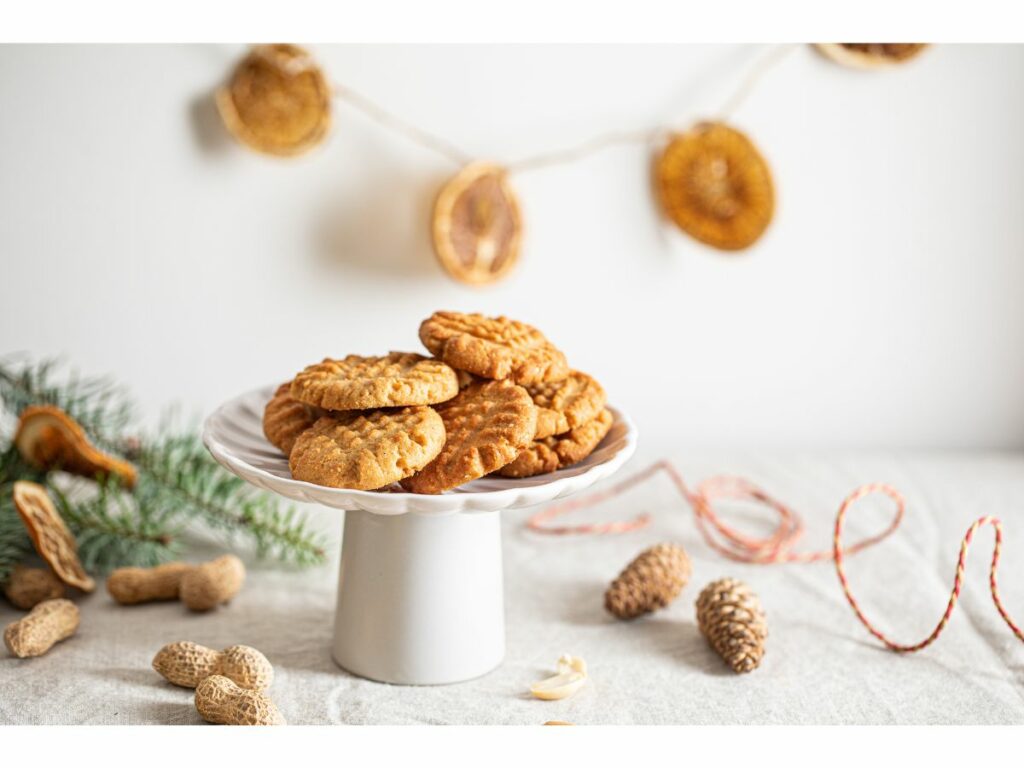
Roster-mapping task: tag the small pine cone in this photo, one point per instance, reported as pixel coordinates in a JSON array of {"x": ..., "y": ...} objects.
[
  {"x": 731, "y": 618},
  {"x": 652, "y": 581}
]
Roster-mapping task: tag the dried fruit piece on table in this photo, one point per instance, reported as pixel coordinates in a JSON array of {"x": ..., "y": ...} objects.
[
  {"x": 730, "y": 616},
  {"x": 47, "y": 438},
  {"x": 220, "y": 701},
  {"x": 477, "y": 226},
  {"x": 715, "y": 185},
  {"x": 870, "y": 55},
  {"x": 187, "y": 664},
  {"x": 45, "y": 625},
  {"x": 277, "y": 101},
  {"x": 572, "y": 675},
  {"x": 208, "y": 585},
  {"x": 50, "y": 536},
  {"x": 130, "y": 586},
  {"x": 28, "y": 587},
  {"x": 650, "y": 582}
]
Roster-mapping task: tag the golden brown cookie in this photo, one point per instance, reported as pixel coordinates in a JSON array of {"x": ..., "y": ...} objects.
[
  {"x": 356, "y": 382},
  {"x": 367, "y": 450},
  {"x": 559, "y": 451},
  {"x": 285, "y": 418},
  {"x": 493, "y": 347},
  {"x": 278, "y": 101},
  {"x": 566, "y": 404},
  {"x": 488, "y": 424}
]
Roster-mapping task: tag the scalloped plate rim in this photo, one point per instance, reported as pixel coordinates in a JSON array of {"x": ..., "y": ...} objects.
[{"x": 392, "y": 503}]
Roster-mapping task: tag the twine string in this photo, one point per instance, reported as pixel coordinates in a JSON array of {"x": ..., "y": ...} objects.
[
  {"x": 452, "y": 152},
  {"x": 396, "y": 124},
  {"x": 958, "y": 578},
  {"x": 776, "y": 547}
]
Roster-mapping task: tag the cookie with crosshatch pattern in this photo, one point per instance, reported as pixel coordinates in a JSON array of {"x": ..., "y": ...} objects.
[
  {"x": 493, "y": 347},
  {"x": 358, "y": 383},
  {"x": 487, "y": 425},
  {"x": 566, "y": 404},
  {"x": 285, "y": 418},
  {"x": 557, "y": 451},
  {"x": 366, "y": 450}
]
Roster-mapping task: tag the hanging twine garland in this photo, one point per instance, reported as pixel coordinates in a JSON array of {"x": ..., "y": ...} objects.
[{"x": 777, "y": 546}]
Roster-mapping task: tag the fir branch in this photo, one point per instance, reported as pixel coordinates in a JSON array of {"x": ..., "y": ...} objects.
[
  {"x": 177, "y": 471},
  {"x": 113, "y": 531},
  {"x": 14, "y": 541},
  {"x": 99, "y": 405}
]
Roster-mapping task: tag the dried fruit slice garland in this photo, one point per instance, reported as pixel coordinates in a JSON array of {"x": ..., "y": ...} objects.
[
  {"x": 48, "y": 439},
  {"x": 50, "y": 536},
  {"x": 715, "y": 185},
  {"x": 477, "y": 226},
  {"x": 277, "y": 102},
  {"x": 870, "y": 55}
]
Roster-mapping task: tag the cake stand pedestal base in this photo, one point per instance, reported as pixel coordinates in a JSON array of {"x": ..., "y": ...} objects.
[{"x": 420, "y": 598}]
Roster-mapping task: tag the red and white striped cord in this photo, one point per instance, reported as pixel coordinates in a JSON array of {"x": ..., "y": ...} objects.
[{"x": 776, "y": 547}]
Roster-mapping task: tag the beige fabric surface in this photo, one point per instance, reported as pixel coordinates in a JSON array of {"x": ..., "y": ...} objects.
[{"x": 821, "y": 665}]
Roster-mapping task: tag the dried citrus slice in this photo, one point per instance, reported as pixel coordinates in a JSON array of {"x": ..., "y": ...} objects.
[
  {"x": 278, "y": 101},
  {"x": 51, "y": 538},
  {"x": 716, "y": 187},
  {"x": 48, "y": 439},
  {"x": 870, "y": 55},
  {"x": 477, "y": 227}
]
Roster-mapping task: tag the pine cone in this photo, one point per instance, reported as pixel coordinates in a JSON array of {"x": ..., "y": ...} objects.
[
  {"x": 651, "y": 581},
  {"x": 731, "y": 618}
]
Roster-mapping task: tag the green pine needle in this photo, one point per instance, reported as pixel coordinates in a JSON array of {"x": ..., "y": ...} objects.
[{"x": 180, "y": 487}]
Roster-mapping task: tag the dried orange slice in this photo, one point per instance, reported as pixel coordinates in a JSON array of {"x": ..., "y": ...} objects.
[
  {"x": 48, "y": 438},
  {"x": 716, "y": 187},
  {"x": 477, "y": 226},
  {"x": 870, "y": 55},
  {"x": 51, "y": 538},
  {"x": 278, "y": 101}
]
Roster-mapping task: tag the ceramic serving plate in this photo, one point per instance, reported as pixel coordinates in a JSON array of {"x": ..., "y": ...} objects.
[{"x": 234, "y": 435}]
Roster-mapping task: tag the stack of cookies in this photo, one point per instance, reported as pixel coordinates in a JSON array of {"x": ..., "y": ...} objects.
[{"x": 497, "y": 397}]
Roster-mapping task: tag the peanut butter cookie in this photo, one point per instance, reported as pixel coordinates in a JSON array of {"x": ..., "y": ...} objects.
[
  {"x": 493, "y": 347},
  {"x": 356, "y": 382},
  {"x": 559, "y": 451},
  {"x": 488, "y": 424},
  {"x": 367, "y": 450},
  {"x": 566, "y": 404},
  {"x": 285, "y": 418}
]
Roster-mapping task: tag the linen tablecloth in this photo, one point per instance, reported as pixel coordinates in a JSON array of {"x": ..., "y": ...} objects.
[{"x": 821, "y": 665}]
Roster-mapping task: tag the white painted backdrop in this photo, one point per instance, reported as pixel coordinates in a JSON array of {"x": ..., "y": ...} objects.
[{"x": 883, "y": 308}]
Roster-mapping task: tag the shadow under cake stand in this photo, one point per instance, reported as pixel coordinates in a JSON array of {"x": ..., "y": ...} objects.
[{"x": 420, "y": 595}]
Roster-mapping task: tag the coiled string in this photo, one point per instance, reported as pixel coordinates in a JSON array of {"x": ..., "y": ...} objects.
[{"x": 777, "y": 547}]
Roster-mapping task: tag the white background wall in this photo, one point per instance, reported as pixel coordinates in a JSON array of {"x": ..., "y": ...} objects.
[{"x": 883, "y": 308}]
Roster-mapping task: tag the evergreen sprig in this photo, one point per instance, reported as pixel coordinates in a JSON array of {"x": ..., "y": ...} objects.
[{"x": 179, "y": 488}]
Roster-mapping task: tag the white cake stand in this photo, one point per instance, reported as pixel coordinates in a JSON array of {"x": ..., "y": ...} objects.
[{"x": 420, "y": 598}]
